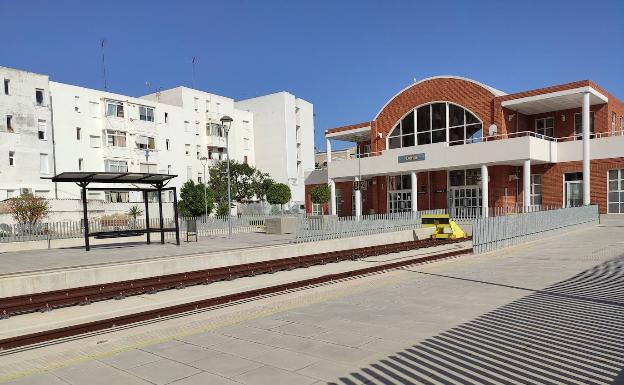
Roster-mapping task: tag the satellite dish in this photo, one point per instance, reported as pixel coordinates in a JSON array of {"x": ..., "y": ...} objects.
[{"x": 493, "y": 130}]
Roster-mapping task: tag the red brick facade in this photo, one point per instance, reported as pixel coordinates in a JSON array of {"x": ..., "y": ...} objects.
[{"x": 505, "y": 184}]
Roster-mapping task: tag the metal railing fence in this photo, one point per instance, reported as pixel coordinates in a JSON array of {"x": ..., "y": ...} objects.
[
  {"x": 493, "y": 233},
  {"x": 320, "y": 228}
]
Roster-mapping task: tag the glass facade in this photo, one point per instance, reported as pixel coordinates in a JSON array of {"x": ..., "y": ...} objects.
[{"x": 429, "y": 124}]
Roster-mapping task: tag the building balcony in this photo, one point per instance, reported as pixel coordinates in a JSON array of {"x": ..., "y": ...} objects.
[
  {"x": 215, "y": 141},
  {"x": 500, "y": 149}
]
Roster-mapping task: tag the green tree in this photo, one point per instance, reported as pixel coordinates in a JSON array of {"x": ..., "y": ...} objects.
[
  {"x": 261, "y": 184},
  {"x": 222, "y": 209},
  {"x": 320, "y": 194},
  {"x": 28, "y": 209},
  {"x": 192, "y": 200},
  {"x": 278, "y": 194},
  {"x": 247, "y": 182}
]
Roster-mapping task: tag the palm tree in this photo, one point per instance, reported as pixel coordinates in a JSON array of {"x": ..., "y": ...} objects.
[{"x": 134, "y": 212}]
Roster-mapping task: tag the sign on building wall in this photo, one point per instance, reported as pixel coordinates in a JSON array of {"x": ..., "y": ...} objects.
[
  {"x": 360, "y": 185},
  {"x": 411, "y": 157}
]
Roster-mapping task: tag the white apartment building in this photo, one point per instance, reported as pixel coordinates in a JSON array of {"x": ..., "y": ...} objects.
[
  {"x": 49, "y": 127},
  {"x": 284, "y": 132},
  {"x": 26, "y": 133}
]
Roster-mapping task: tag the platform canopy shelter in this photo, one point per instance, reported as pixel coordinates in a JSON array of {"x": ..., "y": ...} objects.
[{"x": 150, "y": 182}]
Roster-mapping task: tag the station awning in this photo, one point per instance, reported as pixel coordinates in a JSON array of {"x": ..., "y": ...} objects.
[
  {"x": 554, "y": 101},
  {"x": 111, "y": 177}
]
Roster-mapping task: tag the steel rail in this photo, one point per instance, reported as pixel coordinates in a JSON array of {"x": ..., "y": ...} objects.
[{"x": 86, "y": 295}]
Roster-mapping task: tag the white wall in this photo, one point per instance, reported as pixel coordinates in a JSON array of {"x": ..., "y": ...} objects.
[
  {"x": 24, "y": 141},
  {"x": 279, "y": 151}
]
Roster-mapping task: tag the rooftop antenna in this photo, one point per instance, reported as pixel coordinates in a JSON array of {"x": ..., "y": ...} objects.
[
  {"x": 194, "y": 61},
  {"x": 102, "y": 44},
  {"x": 148, "y": 84}
]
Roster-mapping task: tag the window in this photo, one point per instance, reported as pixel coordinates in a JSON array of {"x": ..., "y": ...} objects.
[
  {"x": 94, "y": 109},
  {"x": 167, "y": 144},
  {"x": 147, "y": 168},
  {"x": 168, "y": 169},
  {"x": 80, "y": 164},
  {"x": 246, "y": 143},
  {"x": 6, "y": 86},
  {"x": 166, "y": 117},
  {"x": 43, "y": 164},
  {"x": 42, "y": 193},
  {"x": 78, "y": 133},
  {"x": 399, "y": 193},
  {"x": 578, "y": 123},
  {"x": 187, "y": 149},
  {"x": 145, "y": 142},
  {"x": 9, "y": 123},
  {"x": 189, "y": 172},
  {"x": 115, "y": 138},
  {"x": 39, "y": 96},
  {"x": 42, "y": 130},
  {"x": 214, "y": 129},
  {"x": 196, "y": 103},
  {"x": 94, "y": 141},
  {"x": 536, "y": 190},
  {"x": 615, "y": 201},
  {"x": 545, "y": 126},
  {"x": 218, "y": 107},
  {"x": 207, "y": 105},
  {"x": 114, "y": 109},
  {"x": 117, "y": 196},
  {"x": 245, "y": 159},
  {"x": 112, "y": 165},
  {"x": 77, "y": 103},
  {"x": 621, "y": 123},
  {"x": 196, "y": 128},
  {"x": 613, "y": 123},
  {"x": 316, "y": 209},
  {"x": 468, "y": 177},
  {"x": 197, "y": 150},
  {"x": 11, "y": 158},
  {"x": 186, "y": 126},
  {"x": 428, "y": 124},
  {"x": 199, "y": 177},
  {"x": 146, "y": 114}
]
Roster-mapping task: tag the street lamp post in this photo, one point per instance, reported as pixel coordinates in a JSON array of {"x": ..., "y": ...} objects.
[
  {"x": 226, "y": 122},
  {"x": 203, "y": 161}
]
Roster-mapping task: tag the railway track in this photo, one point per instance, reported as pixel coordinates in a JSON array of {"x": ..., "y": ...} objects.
[{"x": 85, "y": 295}]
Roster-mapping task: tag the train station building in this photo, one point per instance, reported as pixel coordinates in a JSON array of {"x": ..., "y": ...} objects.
[{"x": 454, "y": 143}]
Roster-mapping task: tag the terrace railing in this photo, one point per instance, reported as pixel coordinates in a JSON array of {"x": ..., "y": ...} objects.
[{"x": 492, "y": 233}]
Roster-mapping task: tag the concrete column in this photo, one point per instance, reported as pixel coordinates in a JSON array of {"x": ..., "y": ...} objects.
[
  {"x": 414, "y": 192},
  {"x": 485, "y": 181},
  {"x": 358, "y": 200},
  {"x": 526, "y": 184},
  {"x": 586, "y": 156},
  {"x": 332, "y": 197},
  {"x": 328, "y": 150}
]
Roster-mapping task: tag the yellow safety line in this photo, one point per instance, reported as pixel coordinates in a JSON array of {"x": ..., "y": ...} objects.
[{"x": 236, "y": 320}]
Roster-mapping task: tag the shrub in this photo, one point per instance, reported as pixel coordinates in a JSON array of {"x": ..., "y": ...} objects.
[
  {"x": 279, "y": 194},
  {"x": 28, "y": 209},
  {"x": 192, "y": 200}
]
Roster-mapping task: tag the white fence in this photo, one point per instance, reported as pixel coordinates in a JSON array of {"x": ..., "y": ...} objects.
[
  {"x": 219, "y": 225},
  {"x": 496, "y": 232},
  {"x": 320, "y": 228}
]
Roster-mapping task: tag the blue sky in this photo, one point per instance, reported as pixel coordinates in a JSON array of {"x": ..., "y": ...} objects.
[{"x": 346, "y": 57}]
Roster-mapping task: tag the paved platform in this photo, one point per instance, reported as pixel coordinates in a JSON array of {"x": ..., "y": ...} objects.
[
  {"x": 41, "y": 271},
  {"x": 42, "y": 260},
  {"x": 551, "y": 312}
]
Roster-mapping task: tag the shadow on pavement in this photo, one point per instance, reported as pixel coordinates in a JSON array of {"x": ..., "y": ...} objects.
[{"x": 570, "y": 333}]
